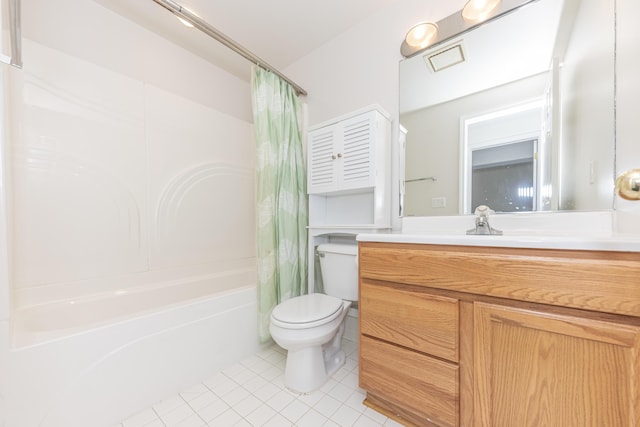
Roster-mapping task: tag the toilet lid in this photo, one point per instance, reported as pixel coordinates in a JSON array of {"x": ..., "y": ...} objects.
[{"x": 307, "y": 309}]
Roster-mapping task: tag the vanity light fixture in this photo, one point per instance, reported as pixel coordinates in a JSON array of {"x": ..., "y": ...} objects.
[
  {"x": 475, "y": 13},
  {"x": 420, "y": 36},
  {"x": 478, "y": 10}
]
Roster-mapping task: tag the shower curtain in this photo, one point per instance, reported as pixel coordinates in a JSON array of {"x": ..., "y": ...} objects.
[{"x": 281, "y": 201}]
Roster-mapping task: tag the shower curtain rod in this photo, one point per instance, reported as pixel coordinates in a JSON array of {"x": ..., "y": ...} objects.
[{"x": 203, "y": 26}]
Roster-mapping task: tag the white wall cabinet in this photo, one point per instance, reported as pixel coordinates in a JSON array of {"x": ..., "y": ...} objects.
[
  {"x": 349, "y": 170},
  {"x": 342, "y": 155}
]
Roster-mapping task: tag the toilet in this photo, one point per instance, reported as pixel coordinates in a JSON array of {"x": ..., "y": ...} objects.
[{"x": 310, "y": 327}]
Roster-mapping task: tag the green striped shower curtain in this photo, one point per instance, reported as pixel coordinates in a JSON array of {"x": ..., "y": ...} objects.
[{"x": 281, "y": 201}]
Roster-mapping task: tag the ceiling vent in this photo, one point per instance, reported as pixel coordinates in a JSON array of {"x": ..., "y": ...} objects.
[{"x": 445, "y": 57}]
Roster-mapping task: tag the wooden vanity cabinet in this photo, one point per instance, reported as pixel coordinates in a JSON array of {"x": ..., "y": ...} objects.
[{"x": 436, "y": 350}]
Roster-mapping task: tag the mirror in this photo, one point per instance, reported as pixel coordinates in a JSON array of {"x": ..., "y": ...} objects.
[{"x": 517, "y": 114}]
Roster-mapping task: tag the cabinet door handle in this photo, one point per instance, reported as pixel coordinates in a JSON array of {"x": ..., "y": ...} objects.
[
  {"x": 333, "y": 157},
  {"x": 339, "y": 155}
]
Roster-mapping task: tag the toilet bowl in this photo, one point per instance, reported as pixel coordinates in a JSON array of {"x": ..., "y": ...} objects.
[{"x": 310, "y": 327}]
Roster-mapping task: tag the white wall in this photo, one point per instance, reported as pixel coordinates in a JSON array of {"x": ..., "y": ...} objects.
[
  {"x": 132, "y": 161},
  {"x": 628, "y": 105},
  {"x": 586, "y": 143}
]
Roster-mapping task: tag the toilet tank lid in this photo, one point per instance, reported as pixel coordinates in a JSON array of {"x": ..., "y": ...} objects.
[{"x": 338, "y": 248}]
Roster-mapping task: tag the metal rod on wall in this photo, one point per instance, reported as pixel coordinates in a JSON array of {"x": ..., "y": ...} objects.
[
  {"x": 203, "y": 26},
  {"x": 428, "y": 178}
]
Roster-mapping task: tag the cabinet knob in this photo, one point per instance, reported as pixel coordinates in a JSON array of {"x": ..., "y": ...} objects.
[
  {"x": 333, "y": 157},
  {"x": 339, "y": 155}
]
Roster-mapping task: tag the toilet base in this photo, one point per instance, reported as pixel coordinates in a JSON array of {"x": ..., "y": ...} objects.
[
  {"x": 307, "y": 369},
  {"x": 334, "y": 361}
]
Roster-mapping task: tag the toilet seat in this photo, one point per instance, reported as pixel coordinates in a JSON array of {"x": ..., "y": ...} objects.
[{"x": 306, "y": 311}]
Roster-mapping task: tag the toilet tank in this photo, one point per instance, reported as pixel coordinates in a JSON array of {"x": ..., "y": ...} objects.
[{"x": 339, "y": 269}]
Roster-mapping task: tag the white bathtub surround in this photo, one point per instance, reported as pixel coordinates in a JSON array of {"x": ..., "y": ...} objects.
[
  {"x": 558, "y": 230},
  {"x": 119, "y": 184},
  {"x": 132, "y": 218},
  {"x": 46, "y": 321},
  {"x": 252, "y": 393},
  {"x": 4, "y": 250},
  {"x": 98, "y": 377},
  {"x": 4, "y": 371}
]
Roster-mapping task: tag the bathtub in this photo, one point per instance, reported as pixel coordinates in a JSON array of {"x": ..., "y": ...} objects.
[{"x": 94, "y": 361}]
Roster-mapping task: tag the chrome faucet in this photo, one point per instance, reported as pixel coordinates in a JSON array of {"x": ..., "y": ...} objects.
[{"x": 482, "y": 222}]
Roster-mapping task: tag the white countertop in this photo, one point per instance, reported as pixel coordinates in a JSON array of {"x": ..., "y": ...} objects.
[
  {"x": 577, "y": 231},
  {"x": 585, "y": 242}
]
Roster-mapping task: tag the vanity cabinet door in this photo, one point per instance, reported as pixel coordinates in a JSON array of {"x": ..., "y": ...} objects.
[{"x": 535, "y": 368}]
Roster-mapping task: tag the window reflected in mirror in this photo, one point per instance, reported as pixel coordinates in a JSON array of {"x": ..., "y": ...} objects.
[{"x": 504, "y": 177}]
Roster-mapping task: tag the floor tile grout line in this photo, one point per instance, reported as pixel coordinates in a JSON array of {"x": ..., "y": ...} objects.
[
  {"x": 192, "y": 408},
  {"x": 158, "y": 417},
  {"x": 247, "y": 371}
]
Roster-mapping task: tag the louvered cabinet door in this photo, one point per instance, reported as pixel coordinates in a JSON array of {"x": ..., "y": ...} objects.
[
  {"x": 342, "y": 155},
  {"x": 357, "y": 163},
  {"x": 322, "y": 166}
]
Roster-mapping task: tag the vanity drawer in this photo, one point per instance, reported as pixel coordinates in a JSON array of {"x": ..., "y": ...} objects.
[
  {"x": 410, "y": 317},
  {"x": 425, "y": 386},
  {"x": 604, "y": 281}
]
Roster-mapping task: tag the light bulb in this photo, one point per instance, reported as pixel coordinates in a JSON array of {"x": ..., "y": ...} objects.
[
  {"x": 421, "y": 35},
  {"x": 478, "y": 10}
]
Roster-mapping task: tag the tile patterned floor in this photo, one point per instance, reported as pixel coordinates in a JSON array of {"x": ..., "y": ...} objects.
[{"x": 252, "y": 393}]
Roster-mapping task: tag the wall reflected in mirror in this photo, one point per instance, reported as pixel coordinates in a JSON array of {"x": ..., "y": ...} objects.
[{"x": 525, "y": 122}]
